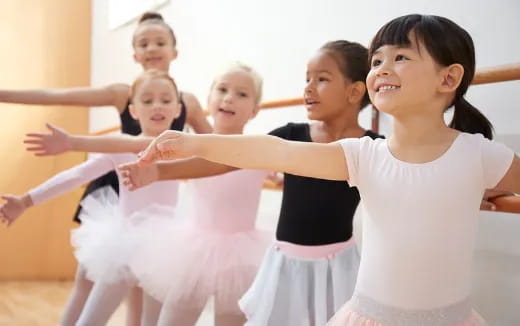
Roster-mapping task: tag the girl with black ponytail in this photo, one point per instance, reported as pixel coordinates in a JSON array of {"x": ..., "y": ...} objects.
[{"x": 421, "y": 188}]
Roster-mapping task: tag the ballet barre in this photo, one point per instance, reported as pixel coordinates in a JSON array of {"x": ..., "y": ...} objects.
[{"x": 489, "y": 75}]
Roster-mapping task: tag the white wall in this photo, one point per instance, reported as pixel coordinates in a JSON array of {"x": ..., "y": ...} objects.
[{"x": 277, "y": 37}]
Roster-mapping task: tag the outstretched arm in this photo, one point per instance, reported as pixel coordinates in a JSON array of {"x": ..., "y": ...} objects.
[
  {"x": 511, "y": 180},
  {"x": 115, "y": 95},
  {"x": 65, "y": 181},
  {"x": 58, "y": 141},
  {"x": 324, "y": 161},
  {"x": 136, "y": 176}
]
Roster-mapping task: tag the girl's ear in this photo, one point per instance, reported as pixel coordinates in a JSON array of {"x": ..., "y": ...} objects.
[
  {"x": 357, "y": 92},
  {"x": 451, "y": 78},
  {"x": 175, "y": 54},
  {"x": 255, "y": 111}
]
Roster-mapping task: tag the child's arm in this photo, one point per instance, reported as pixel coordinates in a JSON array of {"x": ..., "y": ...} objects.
[
  {"x": 58, "y": 141},
  {"x": 511, "y": 180},
  {"x": 195, "y": 115},
  {"x": 136, "y": 176},
  {"x": 324, "y": 161},
  {"x": 115, "y": 95},
  {"x": 65, "y": 181}
]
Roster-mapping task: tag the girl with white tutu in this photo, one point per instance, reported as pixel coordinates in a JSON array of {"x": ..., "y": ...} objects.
[
  {"x": 215, "y": 249},
  {"x": 103, "y": 243},
  {"x": 421, "y": 188}
]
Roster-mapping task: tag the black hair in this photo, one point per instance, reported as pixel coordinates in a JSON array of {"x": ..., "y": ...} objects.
[
  {"x": 352, "y": 59},
  {"x": 151, "y": 17},
  {"x": 447, "y": 43}
]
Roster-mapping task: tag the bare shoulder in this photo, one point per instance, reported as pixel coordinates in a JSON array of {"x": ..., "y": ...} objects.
[
  {"x": 121, "y": 95},
  {"x": 191, "y": 102}
]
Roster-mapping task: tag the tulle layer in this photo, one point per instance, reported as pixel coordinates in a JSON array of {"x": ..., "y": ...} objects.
[{"x": 293, "y": 291}]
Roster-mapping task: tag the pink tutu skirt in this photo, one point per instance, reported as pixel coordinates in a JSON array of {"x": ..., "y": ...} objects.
[
  {"x": 181, "y": 262},
  {"x": 102, "y": 244},
  {"x": 364, "y": 311}
]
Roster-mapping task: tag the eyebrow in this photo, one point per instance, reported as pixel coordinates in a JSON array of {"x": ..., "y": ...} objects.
[
  {"x": 378, "y": 51},
  {"x": 320, "y": 71}
]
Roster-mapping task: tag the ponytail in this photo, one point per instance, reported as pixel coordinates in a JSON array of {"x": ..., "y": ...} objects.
[{"x": 468, "y": 118}]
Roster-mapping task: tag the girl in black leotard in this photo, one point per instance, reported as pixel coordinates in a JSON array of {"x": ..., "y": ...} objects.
[{"x": 311, "y": 269}]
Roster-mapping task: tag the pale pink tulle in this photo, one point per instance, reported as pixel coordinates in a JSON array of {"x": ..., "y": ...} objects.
[
  {"x": 348, "y": 317},
  {"x": 180, "y": 262}
]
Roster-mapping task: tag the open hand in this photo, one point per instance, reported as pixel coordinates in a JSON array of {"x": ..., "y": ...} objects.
[
  {"x": 12, "y": 208},
  {"x": 53, "y": 143}
]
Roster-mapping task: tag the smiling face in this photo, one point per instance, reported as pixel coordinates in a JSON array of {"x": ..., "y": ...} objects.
[
  {"x": 403, "y": 80},
  {"x": 155, "y": 105},
  {"x": 327, "y": 89},
  {"x": 154, "y": 47},
  {"x": 233, "y": 101}
]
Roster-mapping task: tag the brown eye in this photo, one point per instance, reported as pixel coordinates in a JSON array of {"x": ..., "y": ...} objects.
[{"x": 376, "y": 62}]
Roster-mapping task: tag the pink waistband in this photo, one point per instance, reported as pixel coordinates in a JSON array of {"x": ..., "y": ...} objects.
[{"x": 312, "y": 252}]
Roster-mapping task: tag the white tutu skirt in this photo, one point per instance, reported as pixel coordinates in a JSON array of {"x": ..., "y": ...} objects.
[
  {"x": 107, "y": 239},
  {"x": 293, "y": 291},
  {"x": 182, "y": 264}
]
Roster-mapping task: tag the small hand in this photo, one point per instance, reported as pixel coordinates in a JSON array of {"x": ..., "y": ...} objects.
[
  {"x": 12, "y": 208},
  {"x": 136, "y": 176},
  {"x": 276, "y": 178},
  {"x": 167, "y": 146},
  {"x": 490, "y": 194},
  {"x": 53, "y": 143}
]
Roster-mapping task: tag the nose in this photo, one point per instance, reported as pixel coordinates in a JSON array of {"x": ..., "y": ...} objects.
[
  {"x": 383, "y": 69},
  {"x": 309, "y": 87},
  {"x": 228, "y": 97},
  {"x": 151, "y": 47}
]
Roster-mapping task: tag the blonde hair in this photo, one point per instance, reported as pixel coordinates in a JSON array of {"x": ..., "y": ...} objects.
[
  {"x": 255, "y": 76},
  {"x": 152, "y": 74}
]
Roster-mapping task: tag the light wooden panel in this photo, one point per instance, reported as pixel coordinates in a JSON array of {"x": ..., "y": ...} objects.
[{"x": 45, "y": 44}]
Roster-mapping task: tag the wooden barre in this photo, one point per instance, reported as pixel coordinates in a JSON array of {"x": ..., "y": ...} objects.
[
  {"x": 488, "y": 75},
  {"x": 506, "y": 204},
  {"x": 497, "y": 74}
]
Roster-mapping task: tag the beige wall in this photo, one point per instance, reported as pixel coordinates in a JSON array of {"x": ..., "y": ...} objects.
[{"x": 44, "y": 44}]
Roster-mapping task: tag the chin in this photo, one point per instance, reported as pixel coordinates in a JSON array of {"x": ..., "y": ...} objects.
[{"x": 314, "y": 115}]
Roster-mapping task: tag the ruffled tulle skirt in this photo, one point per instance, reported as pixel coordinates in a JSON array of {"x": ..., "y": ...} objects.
[
  {"x": 183, "y": 263},
  {"x": 364, "y": 311},
  {"x": 107, "y": 239},
  {"x": 295, "y": 291}
]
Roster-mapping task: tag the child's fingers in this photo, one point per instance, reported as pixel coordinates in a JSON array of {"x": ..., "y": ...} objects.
[
  {"x": 35, "y": 135},
  {"x": 43, "y": 153},
  {"x": 146, "y": 158},
  {"x": 51, "y": 127},
  {"x": 33, "y": 141},
  {"x": 168, "y": 145},
  {"x": 487, "y": 205},
  {"x": 35, "y": 148}
]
